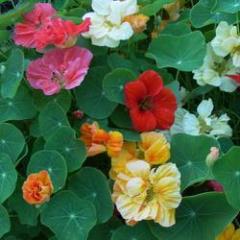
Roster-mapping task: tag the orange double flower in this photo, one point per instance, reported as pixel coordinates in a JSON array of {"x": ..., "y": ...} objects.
[{"x": 97, "y": 140}]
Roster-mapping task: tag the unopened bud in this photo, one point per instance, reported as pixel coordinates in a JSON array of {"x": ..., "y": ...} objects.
[
  {"x": 78, "y": 114},
  {"x": 212, "y": 156}
]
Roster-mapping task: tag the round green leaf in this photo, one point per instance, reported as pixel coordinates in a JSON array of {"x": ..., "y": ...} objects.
[
  {"x": 69, "y": 217},
  {"x": 92, "y": 185},
  {"x": 113, "y": 84},
  {"x": 191, "y": 160},
  {"x": 185, "y": 52},
  {"x": 20, "y": 107},
  {"x": 12, "y": 141},
  {"x": 63, "y": 99},
  {"x": 200, "y": 217},
  {"x": 202, "y": 14},
  {"x": 51, "y": 161},
  {"x": 91, "y": 98},
  {"x": 73, "y": 150},
  {"x": 27, "y": 214},
  {"x": 4, "y": 221},
  {"x": 13, "y": 74},
  {"x": 8, "y": 177},
  {"x": 139, "y": 232},
  {"x": 227, "y": 171},
  {"x": 51, "y": 119},
  {"x": 228, "y": 6}
]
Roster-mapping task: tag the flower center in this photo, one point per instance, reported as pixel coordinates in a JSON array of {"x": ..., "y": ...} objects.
[
  {"x": 150, "y": 194},
  {"x": 145, "y": 104},
  {"x": 58, "y": 78},
  {"x": 220, "y": 67},
  {"x": 204, "y": 128}
]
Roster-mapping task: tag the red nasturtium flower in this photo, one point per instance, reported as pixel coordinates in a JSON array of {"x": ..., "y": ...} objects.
[
  {"x": 41, "y": 27},
  {"x": 59, "y": 68},
  {"x": 151, "y": 105},
  {"x": 235, "y": 78},
  {"x": 38, "y": 188}
]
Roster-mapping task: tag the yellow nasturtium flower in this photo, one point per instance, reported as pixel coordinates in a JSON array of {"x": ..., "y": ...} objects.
[
  {"x": 230, "y": 233},
  {"x": 155, "y": 147},
  {"x": 141, "y": 193}
]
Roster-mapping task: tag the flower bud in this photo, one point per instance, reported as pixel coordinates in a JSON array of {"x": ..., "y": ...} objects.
[{"x": 212, "y": 156}]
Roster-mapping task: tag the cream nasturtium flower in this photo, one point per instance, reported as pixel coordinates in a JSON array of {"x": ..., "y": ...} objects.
[
  {"x": 202, "y": 123},
  {"x": 215, "y": 71},
  {"x": 108, "y": 26},
  {"x": 227, "y": 41},
  {"x": 141, "y": 193}
]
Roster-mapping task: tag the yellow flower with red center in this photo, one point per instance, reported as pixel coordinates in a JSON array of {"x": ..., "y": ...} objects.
[
  {"x": 138, "y": 22},
  {"x": 155, "y": 147},
  {"x": 141, "y": 193},
  {"x": 38, "y": 188},
  {"x": 230, "y": 233},
  {"x": 97, "y": 140}
]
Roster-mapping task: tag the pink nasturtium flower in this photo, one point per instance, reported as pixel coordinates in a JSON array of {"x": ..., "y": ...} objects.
[
  {"x": 41, "y": 27},
  {"x": 59, "y": 68}
]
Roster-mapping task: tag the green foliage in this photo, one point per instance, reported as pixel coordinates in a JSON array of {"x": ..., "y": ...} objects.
[{"x": 196, "y": 217}]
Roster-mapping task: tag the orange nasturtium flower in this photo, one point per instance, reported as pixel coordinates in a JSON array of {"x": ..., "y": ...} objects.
[
  {"x": 97, "y": 140},
  {"x": 38, "y": 188},
  {"x": 230, "y": 233}
]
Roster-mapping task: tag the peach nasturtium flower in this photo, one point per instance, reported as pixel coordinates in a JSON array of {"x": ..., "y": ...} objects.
[
  {"x": 38, "y": 188},
  {"x": 155, "y": 147},
  {"x": 141, "y": 193},
  {"x": 138, "y": 22},
  {"x": 230, "y": 233},
  {"x": 98, "y": 140}
]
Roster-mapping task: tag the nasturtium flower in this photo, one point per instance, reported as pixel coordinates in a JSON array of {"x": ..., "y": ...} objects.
[
  {"x": 227, "y": 41},
  {"x": 230, "y": 233},
  {"x": 59, "y": 68},
  {"x": 155, "y": 147},
  {"x": 215, "y": 71},
  {"x": 216, "y": 186},
  {"x": 152, "y": 148},
  {"x": 108, "y": 26},
  {"x": 38, "y": 188},
  {"x": 141, "y": 193},
  {"x": 138, "y": 22},
  {"x": 202, "y": 123},
  {"x": 127, "y": 154},
  {"x": 98, "y": 140},
  {"x": 41, "y": 27},
  {"x": 151, "y": 105}
]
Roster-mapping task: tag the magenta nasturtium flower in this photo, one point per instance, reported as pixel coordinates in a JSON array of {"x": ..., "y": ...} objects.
[{"x": 59, "y": 68}]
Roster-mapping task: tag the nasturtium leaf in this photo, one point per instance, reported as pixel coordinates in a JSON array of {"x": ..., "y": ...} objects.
[
  {"x": 104, "y": 231},
  {"x": 201, "y": 14},
  {"x": 73, "y": 150},
  {"x": 185, "y": 52},
  {"x": 4, "y": 221},
  {"x": 190, "y": 153},
  {"x": 69, "y": 217},
  {"x": 63, "y": 99},
  {"x": 35, "y": 128},
  {"x": 225, "y": 143},
  {"x": 51, "y": 161},
  {"x": 120, "y": 117},
  {"x": 199, "y": 217},
  {"x": 114, "y": 82},
  {"x": 228, "y": 6},
  {"x": 177, "y": 29},
  {"x": 12, "y": 141},
  {"x": 8, "y": 177},
  {"x": 27, "y": 214},
  {"x": 117, "y": 61},
  {"x": 13, "y": 74},
  {"x": 152, "y": 8},
  {"x": 51, "y": 119},
  {"x": 4, "y": 35},
  {"x": 20, "y": 107},
  {"x": 90, "y": 184},
  {"x": 91, "y": 98},
  {"x": 227, "y": 172},
  {"x": 139, "y": 232}
]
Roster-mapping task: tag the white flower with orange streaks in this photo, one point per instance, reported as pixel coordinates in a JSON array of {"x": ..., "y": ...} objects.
[{"x": 141, "y": 193}]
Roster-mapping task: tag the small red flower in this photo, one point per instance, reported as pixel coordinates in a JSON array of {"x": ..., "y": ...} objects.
[{"x": 150, "y": 104}]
